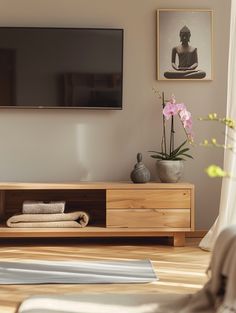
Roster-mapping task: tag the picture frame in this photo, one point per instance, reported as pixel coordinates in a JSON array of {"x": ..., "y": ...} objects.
[{"x": 184, "y": 44}]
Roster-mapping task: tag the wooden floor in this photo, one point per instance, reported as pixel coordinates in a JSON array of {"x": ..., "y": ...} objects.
[{"x": 181, "y": 270}]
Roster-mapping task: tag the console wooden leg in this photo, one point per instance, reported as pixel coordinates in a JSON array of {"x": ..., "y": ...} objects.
[{"x": 179, "y": 239}]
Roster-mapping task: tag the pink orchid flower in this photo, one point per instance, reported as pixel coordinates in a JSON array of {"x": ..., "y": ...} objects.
[
  {"x": 184, "y": 115},
  {"x": 169, "y": 110},
  {"x": 190, "y": 137},
  {"x": 168, "y": 150},
  {"x": 172, "y": 99},
  {"x": 180, "y": 107},
  {"x": 186, "y": 119},
  {"x": 188, "y": 124}
]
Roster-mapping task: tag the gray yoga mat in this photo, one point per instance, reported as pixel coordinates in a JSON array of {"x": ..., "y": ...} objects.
[{"x": 76, "y": 272}]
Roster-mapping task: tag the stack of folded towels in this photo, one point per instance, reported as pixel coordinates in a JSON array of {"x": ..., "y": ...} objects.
[{"x": 47, "y": 214}]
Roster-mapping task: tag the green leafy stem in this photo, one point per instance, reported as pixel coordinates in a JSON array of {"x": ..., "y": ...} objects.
[{"x": 175, "y": 155}]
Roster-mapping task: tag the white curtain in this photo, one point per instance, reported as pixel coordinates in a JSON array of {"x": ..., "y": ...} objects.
[{"x": 227, "y": 211}]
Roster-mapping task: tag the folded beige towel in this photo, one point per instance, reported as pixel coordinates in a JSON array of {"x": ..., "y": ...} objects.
[
  {"x": 74, "y": 219},
  {"x": 40, "y": 207}
]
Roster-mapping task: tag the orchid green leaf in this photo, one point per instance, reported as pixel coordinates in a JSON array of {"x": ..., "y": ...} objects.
[
  {"x": 179, "y": 147},
  {"x": 187, "y": 155}
]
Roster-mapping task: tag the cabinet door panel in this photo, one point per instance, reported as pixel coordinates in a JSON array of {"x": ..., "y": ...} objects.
[
  {"x": 161, "y": 218},
  {"x": 151, "y": 199}
]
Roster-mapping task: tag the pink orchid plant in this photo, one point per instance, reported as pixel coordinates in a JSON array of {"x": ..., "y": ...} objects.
[{"x": 170, "y": 110}]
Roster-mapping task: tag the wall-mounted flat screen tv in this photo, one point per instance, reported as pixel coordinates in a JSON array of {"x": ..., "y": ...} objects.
[{"x": 61, "y": 67}]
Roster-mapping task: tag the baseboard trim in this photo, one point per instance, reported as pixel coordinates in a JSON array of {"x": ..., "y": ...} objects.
[{"x": 196, "y": 234}]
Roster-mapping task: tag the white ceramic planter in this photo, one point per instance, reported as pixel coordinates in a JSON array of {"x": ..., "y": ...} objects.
[{"x": 169, "y": 171}]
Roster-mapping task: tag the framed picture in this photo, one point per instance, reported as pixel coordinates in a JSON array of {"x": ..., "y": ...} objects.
[{"x": 184, "y": 44}]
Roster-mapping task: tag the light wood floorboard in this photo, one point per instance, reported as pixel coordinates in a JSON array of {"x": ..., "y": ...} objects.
[{"x": 180, "y": 269}]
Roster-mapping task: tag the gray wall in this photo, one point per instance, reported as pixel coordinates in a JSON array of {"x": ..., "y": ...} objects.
[{"x": 64, "y": 145}]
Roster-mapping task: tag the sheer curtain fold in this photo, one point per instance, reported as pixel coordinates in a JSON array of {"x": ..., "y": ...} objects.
[{"x": 227, "y": 210}]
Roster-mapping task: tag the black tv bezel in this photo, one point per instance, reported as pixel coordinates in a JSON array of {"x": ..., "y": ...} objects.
[{"x": 72, "y": 108}]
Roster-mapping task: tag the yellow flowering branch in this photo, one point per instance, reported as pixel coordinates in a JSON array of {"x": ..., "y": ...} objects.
[
  {"x": 216, "y": 171},
  {"x": 229, "y": 122},
  {"x": 213, "y": 143}
]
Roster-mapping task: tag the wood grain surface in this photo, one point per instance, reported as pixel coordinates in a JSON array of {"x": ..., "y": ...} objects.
[
  {"x": 145, "y": 198},
  {"x": 181, "y": 270},
  {"x": 160, "y": 218},
  {"x": 149, "y": 208}
]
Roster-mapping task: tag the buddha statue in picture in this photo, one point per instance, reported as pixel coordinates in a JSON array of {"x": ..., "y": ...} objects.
[{"x": 184, "y": 59}]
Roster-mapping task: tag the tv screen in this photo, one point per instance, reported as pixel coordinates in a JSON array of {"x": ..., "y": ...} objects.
[{"x": 61, "y": 67}]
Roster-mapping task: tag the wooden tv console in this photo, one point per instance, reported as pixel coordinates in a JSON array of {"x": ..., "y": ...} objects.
[{"x": 116, "y": 209}]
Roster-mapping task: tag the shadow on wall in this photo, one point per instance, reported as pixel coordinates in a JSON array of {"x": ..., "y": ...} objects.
[
  {"x": 40, "y": 146},
  {"x": 102, "y": 149},
  {"x": 64, "y": 146}
]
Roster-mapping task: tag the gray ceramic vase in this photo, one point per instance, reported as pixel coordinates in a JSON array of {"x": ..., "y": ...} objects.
[
  {"x": 169, "y": 171},
  {"x": 140, "y": 173}
]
